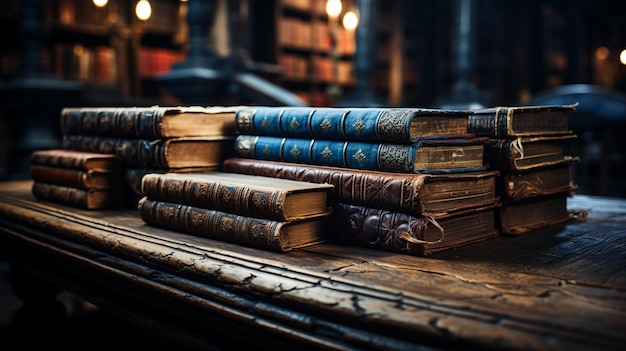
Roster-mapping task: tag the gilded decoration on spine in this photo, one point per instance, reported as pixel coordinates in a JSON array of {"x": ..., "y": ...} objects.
[
  {"x": 294, "y": 123},
  {"x": 358, "y": 126},
  {"x": 325, "y": 125},
  {"x": 294, "y": 152},
  {"x": 391, "y": 125},
  {"x": 392, "y": 159},
  {"x": 326, "y": 153},
  {"x": 265, "y": 122},
  {"x": 244, "y": 121},
  {"x": 359, "y": 156},
  {"x": 245, "y": 146}
]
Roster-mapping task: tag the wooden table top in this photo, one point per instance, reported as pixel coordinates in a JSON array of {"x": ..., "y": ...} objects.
[{"x": 552, "y": 289}]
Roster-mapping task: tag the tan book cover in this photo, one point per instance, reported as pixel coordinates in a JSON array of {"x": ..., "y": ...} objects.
[{"x": 243, "y": 194}]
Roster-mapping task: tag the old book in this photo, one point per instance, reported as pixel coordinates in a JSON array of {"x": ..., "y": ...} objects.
[
  {"x": 90, "y": 199},
  {"x": 397, "y": 125},
  {"x": 525, "y": 152},
  {"x": 153, "y": 122},
  {"x": 134, "y": 175},
  {"x": 512, "y": 121},
  {"x": 411, "y": 193},
  {"x": 157, "y": 153},
  {"x": 537, "y": 181},
  {"x": 244, "y": 230},
  {"x": 73, "y": 159},
  {"x": 523, "y": 216},
  {"x": 426, "y": 156},
  {"x": 77, "y": 178},
  {"x": 243, "y": 194},
  {"x": 408, "y": 234}
]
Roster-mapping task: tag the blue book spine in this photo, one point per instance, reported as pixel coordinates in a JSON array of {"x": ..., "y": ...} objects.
[
  {"x": 335, "y": 153},
  {"x": 358, "y": 124}
]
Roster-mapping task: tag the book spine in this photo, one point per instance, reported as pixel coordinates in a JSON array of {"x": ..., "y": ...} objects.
[
  {"x": 244, "y": 230},
  {"x": 492, "y": 124},
  {"x": 380, "y": 229},
  {"x": 349, "y": 154},
  {"x": 375, "y": 189},
  {"x": 90, "y": 179},
  {"x": 120, "y": 122},
  {"x": 81, "y": 198},
  {"x": 377, "y": 125},
  {"x": 133, "y": 152},
  {"x": 59, "y": 160},
  {"x": 211, "y": 195}
]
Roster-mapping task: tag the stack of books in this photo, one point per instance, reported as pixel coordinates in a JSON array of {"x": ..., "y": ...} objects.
[
  {"x": 527, "y": 147},
  {"x": 411, "y": 181},
  {"x": 153, "y": 139},
  {"x": 84, "y": 180},
  {"x": 261, "y": 212}
]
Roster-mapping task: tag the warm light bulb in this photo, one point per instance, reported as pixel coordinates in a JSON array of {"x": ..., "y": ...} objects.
[
  {"x": 622, "y": 57},
  {"x": 100, "y": 3},
  {"x": 333, "y": 8},
  {"x": 350, "y": 20},
  {"x": 143, "y": 10},
  {"x": 602, "y": 53}
]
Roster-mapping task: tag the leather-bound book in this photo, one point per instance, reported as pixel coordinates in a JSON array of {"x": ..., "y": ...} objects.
[
  {"x": 157, "y": 153},
  {"x": 244, "y": 230},
  {"x": 395, "y": 125},
  {"x": 523, "y": 216},
  {"x": 509, "y": 122},
  {"x": 513, "y": 185},
  {"x": 408, "y": 234},
  {"x": 242, "y": 194},
  {"x": 526, "y": 152},
  {"x": 77, "y": 169},
  {"x": 90, "y": 199},
  {"x": 153, "y": 122},
  {"x": 427, "y": 156},
  {"x": 411, "y": 193}
]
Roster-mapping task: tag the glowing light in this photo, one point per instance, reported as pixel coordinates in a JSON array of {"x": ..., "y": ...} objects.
[
  {"x": 350, "y": 20},
  {"x": 143, "y": 10},
  {"x": 602, "y": 53},
  {"x": 622, "y": 57},
  {"x": 333, "y": 8},
  {"x": 100, "y": 3}
]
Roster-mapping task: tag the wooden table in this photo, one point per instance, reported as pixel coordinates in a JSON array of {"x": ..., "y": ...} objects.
[{"x": 562, "y": 288}]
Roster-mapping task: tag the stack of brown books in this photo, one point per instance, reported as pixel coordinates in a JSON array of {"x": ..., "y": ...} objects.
[
  {"x": 153, "y": 139},
  {"x": 86, "y": 180},
  {"x": 527, "y": 147},
  {"x": 262, "y": 212},
  {"x": 411, "y": 181}
]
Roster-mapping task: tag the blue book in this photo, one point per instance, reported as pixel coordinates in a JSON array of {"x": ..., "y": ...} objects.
[
  {"x": 397, "y": 125},
  {"x": 427, "y": 156}
]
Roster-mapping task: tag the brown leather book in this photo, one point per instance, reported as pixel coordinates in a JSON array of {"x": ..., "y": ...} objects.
[
  {"x": 523, "y": 216},
  {"x": 244, "y": 230},
  {"x": 74, "y": 159},
  {"x": 408, "y": 234},
  {"x": 149, "y": 122},
  {"x": 90, "y": 199},
  {"x": 526, "y": 152},
  {"x": 83, "y": 179},
  {"x": 513, "y": 185},
  {"x": 411, "y": 193},
  {"x": 157, "y": 153},
  {"x": 243, "y": 194}
]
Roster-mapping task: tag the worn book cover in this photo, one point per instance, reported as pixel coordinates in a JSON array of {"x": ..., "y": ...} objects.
[
  {"x": 408, "y": 234},
  {"x": 411, "y": 193},
  {"x": 526, "y": 152},
  {"x": 248, "y": 195},
  {"x": 426, "y": 156},
  {"x": 506, "y": 122},
  {"x": 90, "y": 199},
  {"x": 153, "y": 122},
  {"x": 244, "y": 230},
  {"x": 73, "y": 159},
  {"x": 396, "y": 125},
  {"x": 523, "y": 216},
  {"x": 513, "y": 185},
  {"x": 157, "y": 153},
  {"x": 77, "y": 178}
]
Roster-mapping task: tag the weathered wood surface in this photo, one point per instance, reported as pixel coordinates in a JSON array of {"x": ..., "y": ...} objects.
[{"x": 562, "y": 288}]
